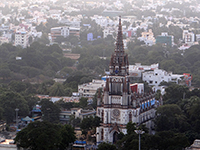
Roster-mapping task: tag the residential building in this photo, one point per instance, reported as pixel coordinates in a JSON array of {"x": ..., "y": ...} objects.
[
  {"x": 71, "y": 22},
  {"x": 8, "y": 144},
  {"x": 107, "y": 32},
  {"x": 135, "y": 71},
  {"x": 164, "y": 38},
  {"x": 155, "y": 77},
  {"x": 188, "y": 37},
  {"x": 148, "y": 38},
  {"x": 77, "y": 113},
  {"x": 90, "y": 37},
  {"x": 74, "y": 31},
  {"x": 4, "y": 40},
  {"x": 194, "y": 146},
  {"x": 89, "y": 89},
  {"x": 22, "y": 38},
  {"x": 119, "y": 105},
  {"x": 64, "y": 31},
  {"x": 197, "y": 37}
]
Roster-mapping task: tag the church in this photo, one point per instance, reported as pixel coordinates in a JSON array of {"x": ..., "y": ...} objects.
[{"x": 119, "y": 104}]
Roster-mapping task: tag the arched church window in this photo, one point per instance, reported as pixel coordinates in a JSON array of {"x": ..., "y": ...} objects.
[
  {"x": 130, "y": 117},
  {"x": 102, "y": 115},
  {"x": 102, "y": 134}
]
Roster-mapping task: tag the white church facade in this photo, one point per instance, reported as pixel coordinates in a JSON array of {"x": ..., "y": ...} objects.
[{"x": 119, "y": 105}]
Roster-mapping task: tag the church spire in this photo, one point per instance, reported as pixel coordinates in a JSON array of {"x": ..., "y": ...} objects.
[
  {"x": 119, "y": 43},
  {"x": 119, "y": 60}
]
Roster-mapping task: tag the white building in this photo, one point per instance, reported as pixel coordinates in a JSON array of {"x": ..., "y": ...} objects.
[
  {"x": 155, "y": 77},
  {"x": 104, "y": 21},
  {"x": 188, "y": 37},
  {"x": 197, "y": 37},
  {"x": 107, "y": 32},
  {"x": 21, "y": 38},
  {"x": 89, "y": 89},
  {"x": 194, "y": 146},
  {"x": 148, "y": 38},
  {"x": 137, "y": 69}
]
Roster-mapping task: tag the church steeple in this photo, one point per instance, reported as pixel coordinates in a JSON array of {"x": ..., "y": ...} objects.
[
  {"x": 119, "y": 60},
  {"x": 119, "y": 43}
]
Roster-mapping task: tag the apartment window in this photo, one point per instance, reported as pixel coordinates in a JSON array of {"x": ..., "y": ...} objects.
[
  {"x": 150, "y": 81},
  {"x": 156, "y": 74},
  {"x": 155, "y": 81}
]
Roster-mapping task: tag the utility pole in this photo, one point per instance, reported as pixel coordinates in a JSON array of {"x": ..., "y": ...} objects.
[{"x": 139, "y": 132}]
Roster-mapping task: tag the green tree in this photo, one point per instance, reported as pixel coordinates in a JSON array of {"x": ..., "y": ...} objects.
[
  {"x": 5, "y": 73},
  {"x": 17, "y": 86},
  {"x": 174, "y": 93},
  {"x": 83, "y": 102},
  {"x": 57, "y": 89},
  {"x": 9, "y": 102},
  {"x": 90, "y": 123},
  {"x": 106, "y": 146},
  {"x": 50, "y": 111},
  {"x": 45, "y": 136},
  {"x": 171, "y": 117},
  {"x": 68, "y": 136}
]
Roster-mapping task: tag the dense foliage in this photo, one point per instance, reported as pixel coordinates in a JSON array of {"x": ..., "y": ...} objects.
[
  {"x": 45, "y": 136},
  {"x": 106, "y": 146},
  {"x": 36, "y": 61}
]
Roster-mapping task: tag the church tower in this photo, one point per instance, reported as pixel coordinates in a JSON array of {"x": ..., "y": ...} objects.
[
  {"x": 119, "y": 65},
  {"x": 119, "y": 105},
  {"x": 113, "y": 110}
]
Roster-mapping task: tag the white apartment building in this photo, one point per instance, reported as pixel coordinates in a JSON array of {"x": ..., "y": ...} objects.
[
  {"x": 188, "y": 37},
  {"x": 21, "y": 38},
  {"x": 89, "y": 89},
  {"x": 104, "y": 21},
  {"x": 155, "y": 77},
  {"x": 137, "y": 69},
  {"x": 107, "y": 32}
]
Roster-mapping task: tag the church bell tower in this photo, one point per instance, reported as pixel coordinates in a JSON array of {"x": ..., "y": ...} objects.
[
  {"x": 113, "y": 110},
  {"x": 119, "y": 105}
]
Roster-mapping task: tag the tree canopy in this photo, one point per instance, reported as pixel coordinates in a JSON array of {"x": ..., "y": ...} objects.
[{"x": 44, "y": 136}]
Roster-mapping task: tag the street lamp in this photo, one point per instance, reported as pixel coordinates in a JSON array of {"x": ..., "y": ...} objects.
[
  {"x": 139, "y": 132},
  {"x": 17, "y": 116}
]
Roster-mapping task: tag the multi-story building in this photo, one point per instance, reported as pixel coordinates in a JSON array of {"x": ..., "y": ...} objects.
[
  {"x": 148, "y": 38},
  {"x": 107, "y": 32},
  {"x": 155, "y": 77},
  {"x": 77, "y": 113},
  {"x": 165, "y": 39},
  {"x": 22, "y": 38},
  {"x": 118, "y": 105},
  {"x": 89, "y": 89},
  {"x": 188, "y": 37},
  {"x": 64, "y": 32},
  {"x": 135, "y": 71}
]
